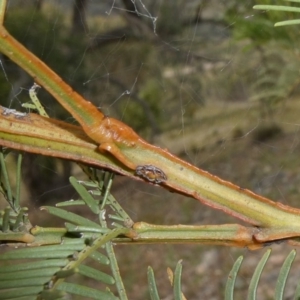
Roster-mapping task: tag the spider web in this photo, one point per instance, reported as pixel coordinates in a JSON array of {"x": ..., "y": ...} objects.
[{"x": 189, "y": 76}]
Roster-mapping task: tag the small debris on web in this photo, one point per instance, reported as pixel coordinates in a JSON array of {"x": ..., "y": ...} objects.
[{"x": 17, "y": 114}]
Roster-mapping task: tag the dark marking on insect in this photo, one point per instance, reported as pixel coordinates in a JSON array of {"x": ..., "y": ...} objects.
[{"x": 151, "y": 173}]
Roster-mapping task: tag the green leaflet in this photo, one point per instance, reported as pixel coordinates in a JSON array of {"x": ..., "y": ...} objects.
[
  {"x": 256, "y": 276},
  {"x": 152, "y": 285},
  {"x": 283, "y": 275},
  {"x": 281, "y": 8},
  {"x": 231, "y": 279}
]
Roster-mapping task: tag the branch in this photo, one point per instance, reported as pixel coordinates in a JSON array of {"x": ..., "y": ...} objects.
[
  {"x": 33, "y": 133},
  {"x": 131, "y": 154}
]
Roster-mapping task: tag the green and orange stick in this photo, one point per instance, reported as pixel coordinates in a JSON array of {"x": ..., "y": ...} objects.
[{"x": 153, "y": 164}]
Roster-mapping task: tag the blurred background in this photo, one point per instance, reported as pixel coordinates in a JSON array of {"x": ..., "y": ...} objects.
[{"x": 212, "y": 81}]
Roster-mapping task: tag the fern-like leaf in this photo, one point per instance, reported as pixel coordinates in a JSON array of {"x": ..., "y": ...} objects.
[{"x": 49, "y": 268}]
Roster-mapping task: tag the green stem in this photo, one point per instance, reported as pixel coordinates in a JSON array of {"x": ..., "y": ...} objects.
[
  {"x": 113, "y": 261},
  {"x": 50, "y": 137},
  {"x": 83, "y": 111}
]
